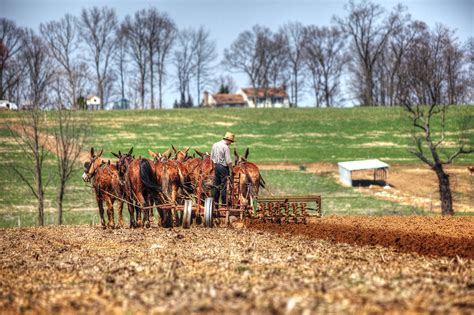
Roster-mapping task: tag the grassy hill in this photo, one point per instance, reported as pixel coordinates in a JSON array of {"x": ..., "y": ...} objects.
[{"x": 273, "y": 135}]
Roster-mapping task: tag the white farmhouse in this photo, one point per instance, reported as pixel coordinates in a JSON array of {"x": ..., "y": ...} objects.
[
  {"x": 249, "y": 97},
  {"x": 265, "y": 97}
]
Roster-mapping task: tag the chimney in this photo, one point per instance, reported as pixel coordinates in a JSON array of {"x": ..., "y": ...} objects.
[{"x": 206, "y": 98}]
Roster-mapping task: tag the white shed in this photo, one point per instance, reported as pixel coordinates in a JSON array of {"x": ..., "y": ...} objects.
[{"x": 346, "y": 168}]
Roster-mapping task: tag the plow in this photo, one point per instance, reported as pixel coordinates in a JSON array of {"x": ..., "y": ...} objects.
[{"x": 275, "y": 209}]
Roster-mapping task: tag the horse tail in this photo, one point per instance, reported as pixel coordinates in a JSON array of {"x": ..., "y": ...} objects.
[{"x": 147, "y": 175}]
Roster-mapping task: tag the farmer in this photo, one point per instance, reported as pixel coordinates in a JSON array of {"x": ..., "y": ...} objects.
[{"x": 220, "y": 155}]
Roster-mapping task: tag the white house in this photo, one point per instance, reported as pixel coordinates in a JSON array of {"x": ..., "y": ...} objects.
[
  {"x": 4, "y": 104},
  {"x": 93, "y": 102},
  {"x": 265, "y": 97},
  {"x": 249, "y": 97}
]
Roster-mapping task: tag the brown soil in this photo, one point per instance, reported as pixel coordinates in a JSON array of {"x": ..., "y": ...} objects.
[
  {"x": 84, "y": 269},
  {"x": 433, "y": 236}
]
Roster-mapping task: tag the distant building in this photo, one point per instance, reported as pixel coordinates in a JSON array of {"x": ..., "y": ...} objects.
[
  {"x": 121, "y": 104},
  {"x": 249, "y": 97},
  {"x": 4, "y": 104},
  {"x": 265, "y": 97},
  {"x": 223, "y": 100},
  {"x": 93, "y": 102}
]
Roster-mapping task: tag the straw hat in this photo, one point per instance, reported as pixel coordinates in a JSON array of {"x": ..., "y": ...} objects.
[{"x": 229, "y": 136}]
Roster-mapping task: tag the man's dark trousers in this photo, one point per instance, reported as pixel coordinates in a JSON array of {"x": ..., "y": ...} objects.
[{"x": 220, "y": 183}]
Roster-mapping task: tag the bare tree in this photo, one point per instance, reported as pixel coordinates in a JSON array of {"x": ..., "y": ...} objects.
[
  {"x": 255, "y": 54},
  {"x": 121, "y": 59},
  {"x": 10, "y": 68},
  {"x": 70, "y": 136},
  {"x": 184, "y": 61},
  {"x": 63, "y": 43},
  {"x": 325, "y": 56},
  {"x": 31, "y": 123},
  {"x": 370, "y": 31},
  {"x": 136, "y": 36},
  {"x": 225, "y": 81},
  {"x": 167, "y": 37},
  {"x": 430, "y": 131},
  {"x": 98, "y": 29},
  {"x": 294, "y": 34},
  {"x": 204, "y": 57}
]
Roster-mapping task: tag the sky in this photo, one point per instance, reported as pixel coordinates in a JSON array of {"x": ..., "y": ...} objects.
[{"x": 225, "y": 19}]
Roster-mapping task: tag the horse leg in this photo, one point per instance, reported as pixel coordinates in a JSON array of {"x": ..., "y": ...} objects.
[
  {"x": 174, "y": 189},
  {"x": 110, "y": 212},
  {"x": 142, "y": 203},
  {"x": 131, "y": 212},
  {"x": 101, "y": 211},
  {"x": 120, "y": 213}
]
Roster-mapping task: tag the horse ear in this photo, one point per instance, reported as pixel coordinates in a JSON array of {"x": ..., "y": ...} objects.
[
  {"x": 153, "y": 154},
  {"x": 198, "y": 152},
  {"x": 174, "y": 149},
  {"x": 92, "y": 151},
  {"x": 100, "y": 153},
  {"x": 116, "y": 155},
  {"x": 235, "y": 153},
  {"x": 120, "y": 153},
  {"x": 246, "y": 153},
  {"x": 167, "y": 153},
  {"x": 130, "y": 152},
  {"x": 186, "y": 149}
]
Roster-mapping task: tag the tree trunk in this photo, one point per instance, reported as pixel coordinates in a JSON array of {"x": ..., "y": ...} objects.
[
  {"x": 40, "y": 192},
  {"x": 444, "y": 190},
  {"x": 152, "y": 83},
  {"x": 60, "y": 203}
]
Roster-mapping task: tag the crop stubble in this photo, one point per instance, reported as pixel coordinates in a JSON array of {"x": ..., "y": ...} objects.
[{"x": 249, "y": 270}]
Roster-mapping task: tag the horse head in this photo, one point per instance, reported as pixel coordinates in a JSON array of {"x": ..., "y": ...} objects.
[
  {"x": 239, "y": 158},
  {"x": 91, "y": 166},
  {"x": 180, "y": 155},
  {"x": 124, "y": 161}
]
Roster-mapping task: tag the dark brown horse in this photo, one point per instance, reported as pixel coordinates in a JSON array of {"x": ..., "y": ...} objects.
[
  {"x": 106, "y": 182},
  {"x": 248, "y": 177}
]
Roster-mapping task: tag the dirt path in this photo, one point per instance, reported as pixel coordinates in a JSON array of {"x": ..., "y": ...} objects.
[
  {"x": 411, "y": 184},
  {"x": 83, "y": 269}
]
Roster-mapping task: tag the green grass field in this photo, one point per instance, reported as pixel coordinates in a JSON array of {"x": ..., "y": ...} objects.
[{"x": 273, "y": 135}]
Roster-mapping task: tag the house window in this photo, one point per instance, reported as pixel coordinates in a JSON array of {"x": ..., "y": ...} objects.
[
  {"x": 276, "y": 100},
  {"x": 260, "y": 100}
]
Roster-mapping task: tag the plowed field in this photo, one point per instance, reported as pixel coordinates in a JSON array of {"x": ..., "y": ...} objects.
[{"x": 240, "y": 270}]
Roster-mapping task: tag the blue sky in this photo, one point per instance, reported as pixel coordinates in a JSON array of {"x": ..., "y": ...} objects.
[{"x": 226, "y": 19}]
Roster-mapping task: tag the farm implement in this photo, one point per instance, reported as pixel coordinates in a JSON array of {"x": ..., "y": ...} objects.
[{"x": 276, "y": 209}]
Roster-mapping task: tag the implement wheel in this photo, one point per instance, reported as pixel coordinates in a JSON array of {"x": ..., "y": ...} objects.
[
  {"x": 188, "y": 208},
  {"x": 208, "y": 209}
]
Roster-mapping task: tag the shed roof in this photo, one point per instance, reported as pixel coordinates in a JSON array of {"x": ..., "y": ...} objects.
[
  {"x": 363, "y": 165},
  {"x": 223, "y": 98}
]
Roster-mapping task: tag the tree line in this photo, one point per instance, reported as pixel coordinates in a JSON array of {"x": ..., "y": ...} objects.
[{"x": 371, "y": 56}]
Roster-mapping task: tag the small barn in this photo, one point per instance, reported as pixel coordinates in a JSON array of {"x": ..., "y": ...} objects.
[
  {"x": 93, "y": 102},
  {"x": 346, "y": 169}
]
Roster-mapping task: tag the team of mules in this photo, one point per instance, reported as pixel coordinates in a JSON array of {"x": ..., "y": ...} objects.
[{"x": 161, "y": 183}]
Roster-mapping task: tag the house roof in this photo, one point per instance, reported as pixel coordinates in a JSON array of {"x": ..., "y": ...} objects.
[
  {"x": 262, "y": 92},
  {"x": 228, "y": 98},
  {"x": 363, "y": 165}
]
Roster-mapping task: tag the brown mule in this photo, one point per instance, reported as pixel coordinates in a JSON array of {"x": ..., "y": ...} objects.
[
  {"x": 106, "y": 182},
  {"x": 200, "y": 169},
  {"x": 170, "y": 173},
  {"x": 141, "y": 188},
  {"x": 122, "y": 164},
  {"x": 248, "y": 177}
]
